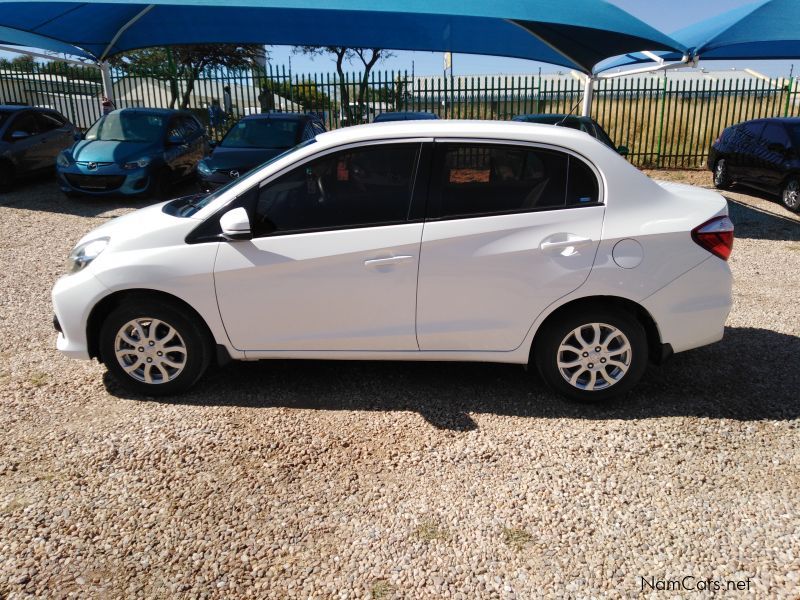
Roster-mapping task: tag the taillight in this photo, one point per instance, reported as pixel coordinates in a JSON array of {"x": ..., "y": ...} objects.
[{"x": 716, "y": 236}]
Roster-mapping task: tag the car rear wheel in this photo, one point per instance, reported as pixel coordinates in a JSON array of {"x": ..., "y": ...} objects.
[
  {"x": 722, "y": 179},
  {"x": 6, "y": 177},
  {"x": 153, "y": 349},
  {"x": 592, "y": 355},
  {"x": 791, "y": 194}
]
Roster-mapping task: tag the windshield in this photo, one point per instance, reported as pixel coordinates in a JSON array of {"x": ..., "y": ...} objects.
[
  {"x": 128, "y": 127},
  {"x": 197, "y": 203},
  {"x": 262, "y": 133}
]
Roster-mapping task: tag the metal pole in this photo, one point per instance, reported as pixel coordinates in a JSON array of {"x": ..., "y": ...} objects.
[
  {"x": 588, "y": 92},
  {"x": 108, "y": 87}
]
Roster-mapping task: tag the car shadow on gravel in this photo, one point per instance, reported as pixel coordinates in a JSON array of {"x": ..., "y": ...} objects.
[
  {"x": 44, "y": 195},
  {"x": 755, "y": 223},
  {"x": 750, "y": 375}
]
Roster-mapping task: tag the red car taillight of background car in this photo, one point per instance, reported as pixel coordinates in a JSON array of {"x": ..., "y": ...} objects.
[{"x": 716, "y": 236}]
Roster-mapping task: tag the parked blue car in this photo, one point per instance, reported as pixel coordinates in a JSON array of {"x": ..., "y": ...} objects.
[{"x": 133, "y": 151}]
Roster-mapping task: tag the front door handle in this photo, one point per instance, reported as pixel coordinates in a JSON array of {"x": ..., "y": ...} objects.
[{"x": 392, "y": 260}]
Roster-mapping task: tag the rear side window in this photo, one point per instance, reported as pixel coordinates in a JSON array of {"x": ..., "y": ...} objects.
[
  {"x": 486, "y": 179},
  {"x": 49, "y": 121},
  {"x": 357, "y": 187},
  {"x": 774, "y": 133}
]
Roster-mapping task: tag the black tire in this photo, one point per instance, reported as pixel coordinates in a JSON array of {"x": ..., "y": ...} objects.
[
  {"x": 6, "y": 176},
  {"x": 790, "y": 195},
  {"x": 546, "y": 354},
  {"x": 191, "y": 335},
  {"x": 722, "y": 178}
]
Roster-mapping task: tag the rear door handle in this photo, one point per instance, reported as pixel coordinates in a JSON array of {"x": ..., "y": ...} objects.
[
  {"x": 392, "y": 260},
  {"x": 567, "y": 247}
]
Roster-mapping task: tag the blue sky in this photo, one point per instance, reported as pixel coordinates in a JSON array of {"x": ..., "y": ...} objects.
[{"x": 666, "y": 16}]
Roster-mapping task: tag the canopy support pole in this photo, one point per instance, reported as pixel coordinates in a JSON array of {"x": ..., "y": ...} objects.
[
  {"x": 124, "y": 28},
  {"x": 47, "y": 56},
  {"x": 588, "y": 93},
  {"x": 108, "y": 86}
]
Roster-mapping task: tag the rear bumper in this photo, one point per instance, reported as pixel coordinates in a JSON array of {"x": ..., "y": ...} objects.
[{"x": 691, "y": 310}]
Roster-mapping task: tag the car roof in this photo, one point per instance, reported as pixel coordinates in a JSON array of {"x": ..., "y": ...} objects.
[
  {"x": 279, "y": 117},
  {"x": 551, "y": 117},
  {"x": 453, "y": 128},
  {"x": 152, "y": 111},
  {"x": 13, "y": 107}
]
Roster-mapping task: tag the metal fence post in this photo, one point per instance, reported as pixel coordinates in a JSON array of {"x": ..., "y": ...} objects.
[{"x": 661, "y": 122}]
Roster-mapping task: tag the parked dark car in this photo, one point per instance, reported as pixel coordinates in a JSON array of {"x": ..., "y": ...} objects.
[
  {"x": 252, "y": 141},
  {"x": 404, "y": 116},
  {"x": 133, "y": 151},
  {"x": 585, "y": 124},
  {"x": 762, "y": 154},
  {"x": 30, "y": 140}
]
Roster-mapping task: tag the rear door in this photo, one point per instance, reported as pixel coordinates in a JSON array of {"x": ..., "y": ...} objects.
[{"x": 511, "y": 229}]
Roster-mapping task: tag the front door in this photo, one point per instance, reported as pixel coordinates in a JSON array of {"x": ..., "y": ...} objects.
[
  {"x": 513, "y": 229},
  {"x": 28, "y": 151},
  {"x": 333, "y": 264}
]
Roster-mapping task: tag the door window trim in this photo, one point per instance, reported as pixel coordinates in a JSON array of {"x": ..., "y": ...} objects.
[{"x": 434, "y": 204}]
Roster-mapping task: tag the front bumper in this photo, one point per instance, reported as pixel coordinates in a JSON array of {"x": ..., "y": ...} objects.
[
  {"x": 74, "y": 296},
  {"x": 105, "y": 180},
  {"x": 691, "y": 310}
]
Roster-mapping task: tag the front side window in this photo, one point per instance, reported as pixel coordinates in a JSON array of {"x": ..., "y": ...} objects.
[
  {"x": 774, "y": 133},
  {"x": 25, "y": 122},
  {"x": 371, "y": 185},
  {"x": 484, "y": 179}
]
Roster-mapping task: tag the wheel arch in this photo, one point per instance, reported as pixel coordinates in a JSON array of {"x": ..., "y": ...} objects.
[
  {"x": 102, "y": 309},
  {"x": 657, "y": 350}
]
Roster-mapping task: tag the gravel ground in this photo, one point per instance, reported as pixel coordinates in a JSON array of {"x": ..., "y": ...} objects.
[{"x": 397, "y": 480}]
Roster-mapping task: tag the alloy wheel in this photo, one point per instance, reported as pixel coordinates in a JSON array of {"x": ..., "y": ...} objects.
[
  {"x": 594, "y": 356},
  {"x": 150, "y": 350},
  {"x": 791, "y": 195}
]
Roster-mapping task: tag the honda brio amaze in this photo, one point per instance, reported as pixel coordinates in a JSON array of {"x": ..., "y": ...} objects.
[{"x": 434, "y": 240}]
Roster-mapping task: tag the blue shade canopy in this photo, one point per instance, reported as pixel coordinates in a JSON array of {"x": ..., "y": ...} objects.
[
  {"x": 576, "y": 34},
  {"x": 769, "y": 29}
]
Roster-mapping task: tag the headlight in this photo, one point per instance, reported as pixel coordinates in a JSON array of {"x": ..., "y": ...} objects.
[
  {"x": 202, "y": 167},
  {"x": 137, "y": 164},
  {"x": 62, "y": 160},
  {"x": 85, "y": 253}
]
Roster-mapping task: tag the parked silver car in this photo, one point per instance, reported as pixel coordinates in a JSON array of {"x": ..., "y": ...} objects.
[{"x": 30, "y": 140}]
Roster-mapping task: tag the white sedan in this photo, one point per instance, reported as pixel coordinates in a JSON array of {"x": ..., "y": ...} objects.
[{"x": 434, "y": 240}]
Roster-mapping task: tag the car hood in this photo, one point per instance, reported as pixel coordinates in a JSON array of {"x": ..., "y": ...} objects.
[
  {"x": 147, "y": 227},
  {"x": 113, "y": 152},
  {"x": 242, "y": 159}
]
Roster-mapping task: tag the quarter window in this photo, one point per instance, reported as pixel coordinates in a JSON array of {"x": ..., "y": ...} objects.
[
  {"x": 371, "y": 185},
  {"x": 481, "y": 179}
]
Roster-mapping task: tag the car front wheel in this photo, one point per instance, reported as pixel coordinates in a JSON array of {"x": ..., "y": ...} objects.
[
  {"x": 153, "y": 349},
  {"x": 592, "y": 355},
  {"x": 791, "y": 195}
]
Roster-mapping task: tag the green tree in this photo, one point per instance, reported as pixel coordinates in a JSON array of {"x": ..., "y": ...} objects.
[
  {"x": 368, "y": 57},
  {"x": 184, "y": 64}
]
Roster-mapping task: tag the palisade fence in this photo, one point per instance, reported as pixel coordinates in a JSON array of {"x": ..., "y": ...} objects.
[{"x": 665, "y": 122}]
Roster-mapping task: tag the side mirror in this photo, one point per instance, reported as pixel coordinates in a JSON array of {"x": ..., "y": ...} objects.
[
  {"x": 236, "y": 225},
  {"x": 623, "y": 150},
  {"x": 19, "y": 135},
  {"x": 77, "y": 136}
]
